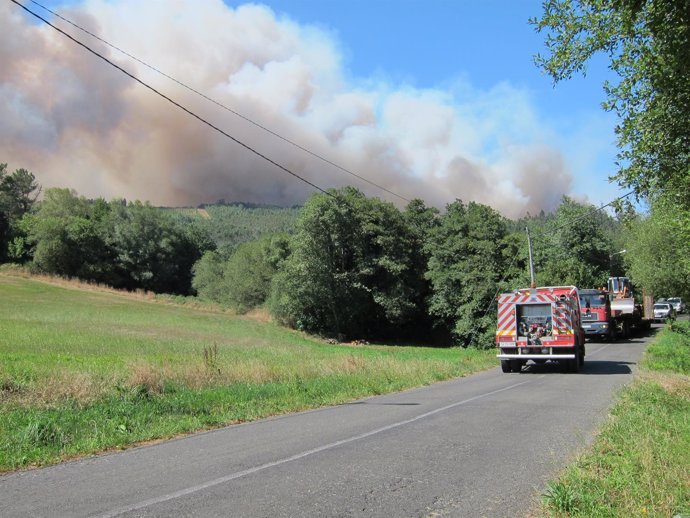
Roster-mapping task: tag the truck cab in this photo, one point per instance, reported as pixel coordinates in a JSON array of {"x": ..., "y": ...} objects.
[{"x": 597, "y": 321}]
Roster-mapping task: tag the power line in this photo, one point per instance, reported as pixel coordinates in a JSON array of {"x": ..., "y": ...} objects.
[
  {"x": 180, "y": 106},
  {"x": 221, "y": 105}
]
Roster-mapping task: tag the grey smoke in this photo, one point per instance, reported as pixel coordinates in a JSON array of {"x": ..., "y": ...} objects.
[{"x": 79, "y": 123}]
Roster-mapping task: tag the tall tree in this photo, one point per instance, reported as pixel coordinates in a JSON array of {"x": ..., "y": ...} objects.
[
  {"x": 350, "y": 270},
  {"x": 658, "y": 250},
  {"x": 648, "y": 45},
  {"x": 151, "y": 251},
  {"x": 575, "y": 248},
  {"x": 466, "y": 265},
  {"x": 18, "y": 192}
]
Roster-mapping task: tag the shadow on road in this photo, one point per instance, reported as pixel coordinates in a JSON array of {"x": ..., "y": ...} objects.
[
  {"x": 594, "y": 367},
  {"x": 382, "y": 404}
]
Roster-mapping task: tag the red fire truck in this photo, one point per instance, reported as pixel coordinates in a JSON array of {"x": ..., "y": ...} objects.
[{"x": 540, "y": 324}]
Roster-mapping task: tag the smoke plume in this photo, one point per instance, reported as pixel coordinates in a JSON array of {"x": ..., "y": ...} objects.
[{"x": 77, "y": 122}]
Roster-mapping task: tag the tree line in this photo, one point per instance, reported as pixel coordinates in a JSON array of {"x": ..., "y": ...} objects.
[
  {"x": 345, "y": 265},
  {"x": 124, "y": 245}
]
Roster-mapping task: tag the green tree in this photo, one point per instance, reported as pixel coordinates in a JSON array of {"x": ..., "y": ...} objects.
[
  {"x": 658, "y": 250},
  {"x": 249, "y": 271},
  {"x": 18, "y": 192},
  {"x": 351, "y": 268},
  {"x": 66, "y": 239},
  {"x": 125, "y": 246},
  {"x": 207, "y": 277},
  {"x": 150, "y": 250},
  {"x": 648, "y": 45},
  {"x": 466, "y": 266},
  {"x": 575, "y": 248}
]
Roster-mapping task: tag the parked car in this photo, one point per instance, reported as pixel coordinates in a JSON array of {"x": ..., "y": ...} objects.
[
  {"x": 677, "y": 304},
  {"x": 663, "y": 311}
]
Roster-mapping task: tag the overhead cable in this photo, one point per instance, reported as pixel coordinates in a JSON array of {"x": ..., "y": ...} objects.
[{"x": 172, "y": 101}]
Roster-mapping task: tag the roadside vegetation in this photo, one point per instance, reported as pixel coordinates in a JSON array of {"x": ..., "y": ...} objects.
[
  {"x": 638, "y": 466},
  {"x": 86, "y": 370}
]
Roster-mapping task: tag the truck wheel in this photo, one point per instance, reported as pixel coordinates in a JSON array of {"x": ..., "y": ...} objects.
[
  {"x": 612, "y": 333},
  {"x": 574, "y": 364},
  {"x": 516, "y": 365},
  {"x": 505, "y": 366},
  {"x": 581, "y": 358},
  {"x": 626, "y": 330}
]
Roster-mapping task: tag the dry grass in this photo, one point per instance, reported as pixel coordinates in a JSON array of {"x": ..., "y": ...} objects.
[
  {"x": 55, "y": 388},
  {"x": 208, "y": 369},
  {"x": 65, "y": 282},
  {"x": 674, "y": 384},
  {"x": 258, "y": 315},
  {"x": 9, "y": 271}
]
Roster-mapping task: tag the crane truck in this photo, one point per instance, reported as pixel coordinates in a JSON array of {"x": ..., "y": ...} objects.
[
  {"x": 612, "y": 312},
  {"x": 540, "y": 324}
]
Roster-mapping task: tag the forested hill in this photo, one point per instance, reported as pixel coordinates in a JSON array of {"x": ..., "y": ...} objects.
[{"x": 229, "y": 225}]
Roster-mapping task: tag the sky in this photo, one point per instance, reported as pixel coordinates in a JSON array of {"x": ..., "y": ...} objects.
[{"x": 434, "y": 99}]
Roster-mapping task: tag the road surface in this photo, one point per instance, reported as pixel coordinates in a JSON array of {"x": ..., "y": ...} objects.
[{"x": 484, "y": 445}]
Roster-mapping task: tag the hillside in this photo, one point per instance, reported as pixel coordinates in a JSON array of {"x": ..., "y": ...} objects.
[
  {"x": 84, "y": 369},
  {"x": 231, "y": 225}
]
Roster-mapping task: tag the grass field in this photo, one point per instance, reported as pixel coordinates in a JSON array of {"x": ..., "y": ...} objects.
[
  {"x": 84, "y": 370},
  {"x": 639, "y": 465}
]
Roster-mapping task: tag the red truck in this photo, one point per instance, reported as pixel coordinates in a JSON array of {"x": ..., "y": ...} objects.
[
  {"x": 598, "y": 320},
  {"x": 540, "y": 324},
  {"x": 613, "y": 312}
]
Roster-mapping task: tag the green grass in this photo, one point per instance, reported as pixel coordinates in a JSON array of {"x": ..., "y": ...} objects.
[
  {"x": 638, "y": 466},
  {"x": 84, "y": 370}
]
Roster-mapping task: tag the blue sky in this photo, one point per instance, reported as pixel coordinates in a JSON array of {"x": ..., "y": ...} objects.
[
  {"x": 429, "y": 43},
  {"x": 435, "y": 99}
]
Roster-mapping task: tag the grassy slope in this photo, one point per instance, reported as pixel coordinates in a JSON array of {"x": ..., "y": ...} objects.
[
  {"x": 86, "y": 370},
  {"x": 639, "y": 464}
]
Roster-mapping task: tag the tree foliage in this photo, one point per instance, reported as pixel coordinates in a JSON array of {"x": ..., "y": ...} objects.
[
  {"x": 658, "y": 250},
  {"x": 242, "y": 281},
  {"x": 352, "y": 269},
  {"x": 131, "y": 246},
  {"x": 575, "y": 247},
  {"x": 466, "y": 267},
  {"x": 648, "y": 45},
  {"x": 18, "y": 192}
]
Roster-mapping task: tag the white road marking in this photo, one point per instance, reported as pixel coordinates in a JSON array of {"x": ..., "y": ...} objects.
[{"x": 244, "y": 473}]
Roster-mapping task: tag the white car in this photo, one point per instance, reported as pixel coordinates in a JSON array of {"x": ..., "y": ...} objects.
[
  {"x": 677, "y": 304},
  {"x": 663, "y": 311}
]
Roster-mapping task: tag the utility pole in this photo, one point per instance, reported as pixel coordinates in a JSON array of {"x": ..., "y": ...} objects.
[{"x": 533, "y": 283}]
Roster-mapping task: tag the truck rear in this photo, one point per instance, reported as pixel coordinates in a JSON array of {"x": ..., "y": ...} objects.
[{"x": 540, "y": 324}]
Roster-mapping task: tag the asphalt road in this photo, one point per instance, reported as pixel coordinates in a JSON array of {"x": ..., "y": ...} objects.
[{"x": 484, "y": 445}]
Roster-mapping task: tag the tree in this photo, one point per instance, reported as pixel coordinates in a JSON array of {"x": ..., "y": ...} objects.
[
  {"x": 131, "y": 246},
  {"x": 575, "y": 248},
  {"x": 350, "y": 270},
  {"x": 249, "y": 271},
  {"x": 18, "y": 192},
  {"x": 466, "y": 265},
  {"x": 648, "y": 44},
  {"x": 658, "y": 250},
  {"x": 207, "y": 277},
  {"x": 150, "y": 250},
  {"x": 66, "y": 239}
]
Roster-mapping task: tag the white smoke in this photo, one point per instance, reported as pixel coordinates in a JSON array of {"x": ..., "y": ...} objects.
[{"x": 77, "y": 122}]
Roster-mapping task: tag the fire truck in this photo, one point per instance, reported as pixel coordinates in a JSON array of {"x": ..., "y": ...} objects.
[
  {"x": 540, "y": 324},
  {"x": 613, "y": 313},
  {"x": 598, "y": 320}
]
